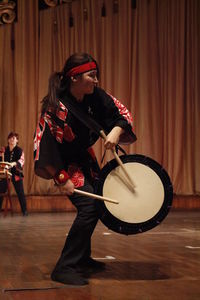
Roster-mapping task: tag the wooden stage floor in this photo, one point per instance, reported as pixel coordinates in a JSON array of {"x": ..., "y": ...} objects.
[{"x": 163, "y": 263}]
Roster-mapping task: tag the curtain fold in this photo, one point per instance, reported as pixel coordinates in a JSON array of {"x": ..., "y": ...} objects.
[{"x": 148, "y": 58}]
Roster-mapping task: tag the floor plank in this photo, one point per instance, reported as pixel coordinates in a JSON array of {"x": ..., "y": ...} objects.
[{"x": 163, "y": 263}]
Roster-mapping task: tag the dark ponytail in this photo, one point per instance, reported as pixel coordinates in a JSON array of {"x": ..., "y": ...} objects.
[{"x": 50, "y": 100}]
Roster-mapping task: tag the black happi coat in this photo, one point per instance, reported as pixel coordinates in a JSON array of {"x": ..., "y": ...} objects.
[{"x": 64, "y": 142}]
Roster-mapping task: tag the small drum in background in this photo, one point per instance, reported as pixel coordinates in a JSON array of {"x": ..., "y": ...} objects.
[
  {"x": 4, "y": 170},
  {"x": 139, "y": 209}
]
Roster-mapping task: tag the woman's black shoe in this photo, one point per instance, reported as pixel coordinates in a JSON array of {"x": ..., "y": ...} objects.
[
  {"x": 90, "y": 266},
  {"x": 95, "y": 264},
  {"x": 68, "y": 277}
]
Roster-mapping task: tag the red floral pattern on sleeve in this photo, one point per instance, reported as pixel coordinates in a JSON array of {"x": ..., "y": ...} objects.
[
  {"x": 125, "y": 138},
  {"x": 123, "y": 110},
  {"x": 68, "y": 134},
  {"x": 38, "y": 136},
  {"x": 56, "y": 131},
  {"x": 76, "y": 175},
  {"x": 59, "y": 133}
]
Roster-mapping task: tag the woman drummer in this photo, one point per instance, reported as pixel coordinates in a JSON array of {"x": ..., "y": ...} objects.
[
  {"x": 63, "y": 152},
  {"x": 14, "y": 155}
]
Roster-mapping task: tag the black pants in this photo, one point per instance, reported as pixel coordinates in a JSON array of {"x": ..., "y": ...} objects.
[
  {"x": 19, "y": 188},
  {"x": 77, "y": 248}
]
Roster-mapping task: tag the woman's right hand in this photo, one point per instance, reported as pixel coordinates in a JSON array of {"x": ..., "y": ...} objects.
[{"x": 69, "y": 187}]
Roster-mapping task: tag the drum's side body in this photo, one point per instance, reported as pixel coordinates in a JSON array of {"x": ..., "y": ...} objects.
[
  {"x": 140, "y": 209},
  {"x": 4, "y": 170}
]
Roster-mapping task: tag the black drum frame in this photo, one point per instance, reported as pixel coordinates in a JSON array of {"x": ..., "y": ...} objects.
[{"x": 122, "y": 227}]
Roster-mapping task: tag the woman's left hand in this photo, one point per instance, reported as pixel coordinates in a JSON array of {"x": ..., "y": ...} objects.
[{"x": 112, "y": 138}]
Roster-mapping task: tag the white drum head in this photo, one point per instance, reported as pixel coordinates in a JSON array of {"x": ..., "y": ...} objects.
[{"x": 139, "y": 205}]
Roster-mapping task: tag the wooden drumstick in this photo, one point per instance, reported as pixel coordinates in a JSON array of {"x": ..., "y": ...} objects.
[
  {"x": 2, "y": 155},
  {"x": 119, "y": 161},
  {"x": 95, "y": 196}
]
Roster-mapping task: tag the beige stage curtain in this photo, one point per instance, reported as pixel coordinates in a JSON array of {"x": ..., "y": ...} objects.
[
  {"x": 148, "y": 58},
  {"x": 19, "y": 81}
]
